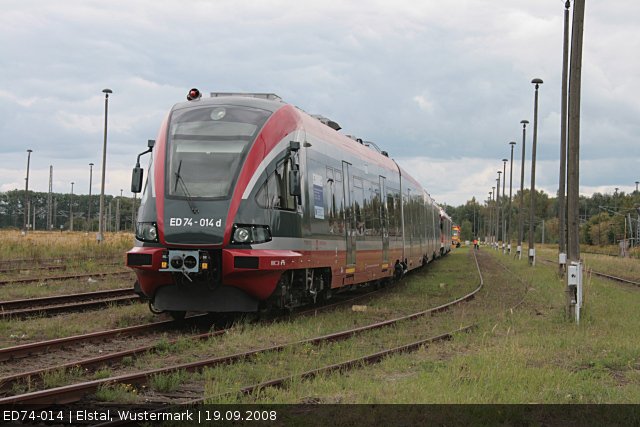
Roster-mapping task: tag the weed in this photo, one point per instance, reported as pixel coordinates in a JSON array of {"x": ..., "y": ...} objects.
[
  {"x": 62, "y": 376},
  {"x": 165, "y": 383},
  {"x": 102, "y": 373},
  {"x": 121, "y": 393}
]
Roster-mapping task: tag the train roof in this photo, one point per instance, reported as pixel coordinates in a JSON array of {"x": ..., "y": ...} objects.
[{"x": 270, "y": 102}]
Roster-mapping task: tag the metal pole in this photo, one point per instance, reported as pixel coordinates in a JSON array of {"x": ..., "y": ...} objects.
[
  {"x": 100, "y": 236},
  {"x": 512, "y": 144},
  {"x": 26, "y": 195},
  {"x": 562, "y": 213},
  {"x": 521, "y": 207},
  {"x": 49, "y": 201},
  {"x": 532, "y": 213},
  {"x": 498, "y": 210},
  {"x": 71, "y": 209},
  {"x": 491, "y": 216},
  {"x": 133, "y": 214},
  {"x": 504, "y": 193},
  {"x": 90, "y": 185},
  {"x": 118, "y": 212}
]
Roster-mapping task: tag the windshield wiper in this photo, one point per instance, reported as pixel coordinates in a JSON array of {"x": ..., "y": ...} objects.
[{"x": 180, "y": 180}]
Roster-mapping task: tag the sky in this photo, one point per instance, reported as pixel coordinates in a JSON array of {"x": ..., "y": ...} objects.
[{"x": 442, "y": 86}]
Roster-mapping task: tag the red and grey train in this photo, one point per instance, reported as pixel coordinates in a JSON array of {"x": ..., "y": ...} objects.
[{"x": 251, "y": 203}]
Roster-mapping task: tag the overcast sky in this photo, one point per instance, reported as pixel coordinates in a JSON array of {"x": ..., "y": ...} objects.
[{"x": 442, "y": 86}]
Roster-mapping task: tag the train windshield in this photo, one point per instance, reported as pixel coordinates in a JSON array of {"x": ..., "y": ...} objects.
[{"x": 207, "y": 147}]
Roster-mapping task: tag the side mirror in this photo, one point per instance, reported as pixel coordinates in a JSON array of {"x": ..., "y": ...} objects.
[
  {"x": 136, "y": 179},
  {"x": 295, "y": 188},
  {"x": 136, "y": 175}
]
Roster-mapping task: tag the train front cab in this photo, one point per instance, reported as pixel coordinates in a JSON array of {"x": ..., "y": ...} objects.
[{"x": 195, "y": 249}]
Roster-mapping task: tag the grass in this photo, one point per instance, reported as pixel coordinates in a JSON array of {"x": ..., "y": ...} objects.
[
  {"x": 532, "y": 355},
  {"x": 628, "y": 268},
  {"x": 15, "y": 332},
  {"x": 60, "y": 377},
  {"x": 121, "y": 393},
  {"x": 165, "y": 383},
  {"x": 39, "y": 245}
]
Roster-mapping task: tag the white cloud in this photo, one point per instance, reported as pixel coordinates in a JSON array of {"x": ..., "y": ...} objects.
[{"x": 442, "y": 85}]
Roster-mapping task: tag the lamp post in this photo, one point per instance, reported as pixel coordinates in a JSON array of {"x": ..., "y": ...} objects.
[
  {"x": 491, "y": 215},
  {"x": 71, "y": 208},
  {"x": 498, "y": 210},
  {"x": 512, "y": 144},
  {"x": 562, "y": 213},
  {"x": 118, "y": 212},
  {"x": 521, "y": 205},
  {"x": 90, "y": 185},
  {"x": 532, "y": 215},
  {"x": 504, "y": 193},
  {"x": 100, "y": 236},
  {"x": 26, "y": 207}
]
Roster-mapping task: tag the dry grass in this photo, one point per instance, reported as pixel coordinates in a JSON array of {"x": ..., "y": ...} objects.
[{"x": 39, "y": 245}]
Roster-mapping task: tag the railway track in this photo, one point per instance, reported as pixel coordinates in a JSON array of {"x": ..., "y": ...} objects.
[
  {"x": 356, "y": 362},
  {"x": 41, "y": 267},
  {"x": 63, "y": 277},
  {"x": 10, "y": 262},
  {"x": 10, "y": 382},
  {"x": 73, "y": 393},
  {"x": 600, "y": 274},
  {"x": 48, "y": 306}
]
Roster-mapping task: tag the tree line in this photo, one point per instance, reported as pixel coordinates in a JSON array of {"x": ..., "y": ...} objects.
[
  {"x": 118, "y": 211},
  {"x": 605, "y": 219}
]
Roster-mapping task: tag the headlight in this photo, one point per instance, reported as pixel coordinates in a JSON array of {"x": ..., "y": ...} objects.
[
  {"x": 147, "y": 231},
  {"x": 243, "y": 234}
]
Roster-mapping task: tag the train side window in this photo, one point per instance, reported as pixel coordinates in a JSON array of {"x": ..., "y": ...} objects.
[{"x": 274, "y": 192}]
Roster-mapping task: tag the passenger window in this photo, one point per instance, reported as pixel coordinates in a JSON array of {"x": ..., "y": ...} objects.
[{"x": 274, "y": 193}]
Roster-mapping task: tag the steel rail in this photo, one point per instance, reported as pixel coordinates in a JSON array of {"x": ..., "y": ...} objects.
[
  {"x": 600, "y": 274},
  {"x": 20, "y": 309},
  {"x": 40, "y": 267},
  {"x": 57, "y": 259},
  {"x": 614, "y": 278},
  {"x": 64, "y": 277},
  {"x": 59, "y": 299},
  {"x": 30, "y": 349}
]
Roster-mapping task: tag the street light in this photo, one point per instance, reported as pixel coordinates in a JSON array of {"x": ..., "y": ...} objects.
[
  {"x": 118, "y": 212},
  {"x": 521, "y": 207},
  {"x": 512, "y": 144},
  {"x": 90, "y": 185},
  {"x": 498, "y": 210},
  {"x": 100, "y": 236},
  {"x": 504, "y": 193},
  {"x": 26, "y": 195},
  {"x": 71, "y": 208},
  {"x": 532, "y": 215},
  {"x": 491, "y": 194}
]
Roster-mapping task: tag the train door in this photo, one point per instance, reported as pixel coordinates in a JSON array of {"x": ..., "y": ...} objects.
[
  {"x": 349, "y": 216},
  {"x": 384, "y": 220}
]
